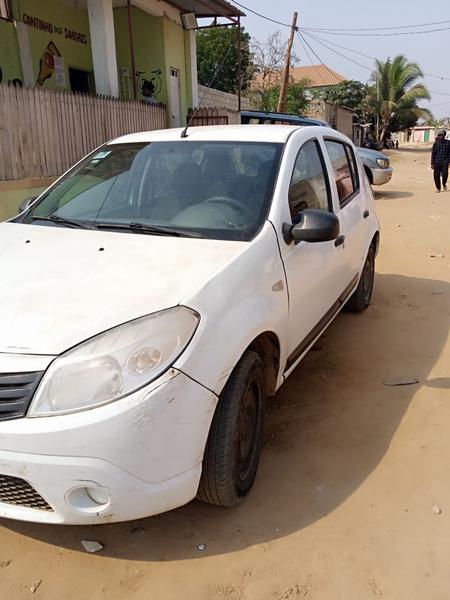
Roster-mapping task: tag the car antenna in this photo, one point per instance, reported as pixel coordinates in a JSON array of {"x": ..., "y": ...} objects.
[{"x": 219, "y": 68}]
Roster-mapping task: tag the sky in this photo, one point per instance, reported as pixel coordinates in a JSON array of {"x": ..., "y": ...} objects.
[{"x": 431, "y": 51}]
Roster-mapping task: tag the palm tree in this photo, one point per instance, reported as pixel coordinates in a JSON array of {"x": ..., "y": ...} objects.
[{"x": 399, "y": 92}]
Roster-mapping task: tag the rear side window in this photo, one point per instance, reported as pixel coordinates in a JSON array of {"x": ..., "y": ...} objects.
[
  {"x": 345, "y": 169},
  {"x": 309, "y": 186}
]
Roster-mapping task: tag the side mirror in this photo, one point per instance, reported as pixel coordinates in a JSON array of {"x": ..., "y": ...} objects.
[
  {"x": 314, "y": 226},
  {"x": 25, "y": 204}
]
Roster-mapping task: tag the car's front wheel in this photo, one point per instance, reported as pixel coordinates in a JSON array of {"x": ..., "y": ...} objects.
[
  {"x": 234, "y": 443},
  {"x": 362, "y": 296}
]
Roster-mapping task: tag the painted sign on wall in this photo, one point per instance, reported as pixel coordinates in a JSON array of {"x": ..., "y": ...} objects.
[{"x": 42, "y": 25}]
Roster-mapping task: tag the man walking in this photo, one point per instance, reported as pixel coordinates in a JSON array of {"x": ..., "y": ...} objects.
[{"x": 440, "y": 159}]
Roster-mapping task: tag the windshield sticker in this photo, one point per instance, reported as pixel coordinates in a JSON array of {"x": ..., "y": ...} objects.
[{"x": 101, "y": 155}]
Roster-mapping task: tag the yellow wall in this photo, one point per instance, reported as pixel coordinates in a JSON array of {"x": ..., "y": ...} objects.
[
  {"x": 148, "y": 49},
  {"x": 10, "y": 68},
  {"x": 68, "y": 30}
]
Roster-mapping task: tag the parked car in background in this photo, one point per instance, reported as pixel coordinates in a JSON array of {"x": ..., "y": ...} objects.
[
  {"x": 153, "y": 298},
  {"x": 376, "y": 164}
]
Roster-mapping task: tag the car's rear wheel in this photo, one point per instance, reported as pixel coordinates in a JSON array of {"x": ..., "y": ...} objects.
[
  {"x": 362, "y": 296},
  {"x": 234, "y": 443}
]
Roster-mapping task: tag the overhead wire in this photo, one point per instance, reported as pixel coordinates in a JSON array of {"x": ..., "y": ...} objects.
[
  {"x": 261, "y": 15},
  {"x": 359, "y": 32},
  {"x": 440, "y": 104},
  {"x": 354, "y": 31},
  {"x": 319, "y": 73},
  {"x": 317, "y": 38},
  {"x": 378, "y": 28},
  {"x": 338, "y": 53},
  {"x": 377, "y": 34}
]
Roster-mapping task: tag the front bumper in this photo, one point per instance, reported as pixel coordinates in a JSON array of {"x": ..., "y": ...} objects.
[
  {"x": 382, "y": 176},
  {"x": 144, "y": 452}
]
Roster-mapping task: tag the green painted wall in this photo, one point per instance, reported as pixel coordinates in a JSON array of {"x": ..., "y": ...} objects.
[
  {"x": 70, "y": 36},
  {"x": 56, "y": 27},
  {"x": 9, "y": 53},
  {"x": 159, "y": 45},
  {"x": 148, "y": 49}
]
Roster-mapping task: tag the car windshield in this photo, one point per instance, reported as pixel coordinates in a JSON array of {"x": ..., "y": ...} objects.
[{"x": 219, "y": 190}]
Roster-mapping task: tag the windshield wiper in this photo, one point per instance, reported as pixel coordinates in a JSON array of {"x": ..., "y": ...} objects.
[
  {"x": 62, "y": 221},
  {"x": 144, "y": 228}
]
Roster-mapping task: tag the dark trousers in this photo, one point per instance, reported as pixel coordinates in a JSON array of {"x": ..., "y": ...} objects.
[{"x": 440, "y": 170}]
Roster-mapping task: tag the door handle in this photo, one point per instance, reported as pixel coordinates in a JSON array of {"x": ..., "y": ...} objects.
[
  {"x": 339, "y": 241},
  {"x": 366, "y": 214}
]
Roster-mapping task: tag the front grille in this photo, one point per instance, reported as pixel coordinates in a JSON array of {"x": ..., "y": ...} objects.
[
  {"x": 20, "y": 493},
  {"x": 16, "y": 392}
]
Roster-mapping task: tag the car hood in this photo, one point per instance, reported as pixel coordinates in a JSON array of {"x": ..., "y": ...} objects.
[{"x": 61, "y": 286}]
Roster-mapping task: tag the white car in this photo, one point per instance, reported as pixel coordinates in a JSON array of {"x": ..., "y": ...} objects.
[{"x": 151, "y": 300}]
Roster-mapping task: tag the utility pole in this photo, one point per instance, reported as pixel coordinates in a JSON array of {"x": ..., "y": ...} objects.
[{"x": 285, "y": 79}]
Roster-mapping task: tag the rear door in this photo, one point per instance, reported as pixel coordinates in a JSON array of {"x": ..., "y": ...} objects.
[{"x": 346, "y": 186}]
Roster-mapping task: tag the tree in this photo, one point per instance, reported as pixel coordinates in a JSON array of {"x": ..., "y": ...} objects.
[
  {"x": 399, "y": 92},
  {"x": 297, "y": 100},
  {"x": 212, "y": 47},
  {"x": 350, "y": 94},
  {"x": 268, "y": 62},
  {"x": 442, "y": 123}
]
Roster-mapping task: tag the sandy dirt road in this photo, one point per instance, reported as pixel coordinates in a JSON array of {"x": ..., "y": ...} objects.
[{"x": 351, "y": 469}]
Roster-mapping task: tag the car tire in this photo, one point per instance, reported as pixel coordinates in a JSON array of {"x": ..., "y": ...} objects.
[
  {"x": 234, "y": 443},
  {"x": 362, "y": 296}
]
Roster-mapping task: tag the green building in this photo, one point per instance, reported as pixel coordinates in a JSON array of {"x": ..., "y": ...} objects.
[{"x": 142, "y": 49}]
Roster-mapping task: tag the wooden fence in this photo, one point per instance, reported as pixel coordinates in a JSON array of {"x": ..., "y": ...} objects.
[
  {"x": 207, "y": 116},
  {"x": 44, "y": 132}
]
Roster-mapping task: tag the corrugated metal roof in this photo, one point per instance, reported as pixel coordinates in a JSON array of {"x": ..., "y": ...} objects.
[
  {"x": 317, "y": 75},
  {"x": 207, "y": 8}
]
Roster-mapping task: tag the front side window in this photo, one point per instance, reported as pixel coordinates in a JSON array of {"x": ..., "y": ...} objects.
[
  {"x": 220, "y": 190},
  {"x": 309, "y": 186},
  {"x": 344, "y": 168}
]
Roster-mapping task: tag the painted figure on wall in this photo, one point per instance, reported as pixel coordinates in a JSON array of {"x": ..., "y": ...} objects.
[
  {"x": 47, "y": 63},
  {"x": 150, "y": 87}
]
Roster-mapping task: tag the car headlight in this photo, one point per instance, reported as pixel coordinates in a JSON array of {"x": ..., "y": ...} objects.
[
  {"x": 383, "y": 163},
  {"x": 115, "y": 363}
]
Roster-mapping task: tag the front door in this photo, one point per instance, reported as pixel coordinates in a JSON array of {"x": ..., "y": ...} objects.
[
  {"x": 175, "y": 111},
  {"x": 314, "y": 271}
]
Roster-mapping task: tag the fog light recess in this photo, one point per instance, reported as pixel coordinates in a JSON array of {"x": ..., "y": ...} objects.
[{"x": 89, "y": 499}]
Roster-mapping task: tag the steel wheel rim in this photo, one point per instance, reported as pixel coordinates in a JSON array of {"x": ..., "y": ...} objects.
[
  {"x": 247, "y": 429},
  {"x": 368, "y": 276}
]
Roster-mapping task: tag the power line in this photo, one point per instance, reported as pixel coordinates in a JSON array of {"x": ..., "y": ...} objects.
[
  {"x": 313, "y": 65},
  {"x": 441, "y": 104},
  {"x": 316, "y": 55},
  {"x": 379, "y": 28},
  {"x": 339, "y": 53},
  {"x": 441, "y": 77},
  {"x": 331, "y": 32},
  {"x": 261, "y": 15},
  {"x": 343, "y": 33},
  {"x": 439, "y": 93},
  {"x": 317, "y": 38}
]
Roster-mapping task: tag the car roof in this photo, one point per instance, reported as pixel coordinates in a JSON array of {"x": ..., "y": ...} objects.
[
  {"x": 233, "y": 133},
  {"x": 277, "y": 116}
]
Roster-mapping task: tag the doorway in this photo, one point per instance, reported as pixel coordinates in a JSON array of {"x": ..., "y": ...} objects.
[{"x": 175, "y": 109}]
